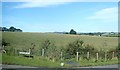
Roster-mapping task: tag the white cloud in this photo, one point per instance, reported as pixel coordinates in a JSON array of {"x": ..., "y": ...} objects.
[
  {"x": 37, "y": 4},
  {"x": 60, "y": 0},
  {"x": 45, "y": 3},
  {"x": 107, "y": 14}
]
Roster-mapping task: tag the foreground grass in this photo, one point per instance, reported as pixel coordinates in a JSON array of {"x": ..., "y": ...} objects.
[
  {"x": 42, "y": 62},
  {"x": 20, "y": 60},
  {"x": 91, "y": 62},
  {"x": 99, "y": 63}
]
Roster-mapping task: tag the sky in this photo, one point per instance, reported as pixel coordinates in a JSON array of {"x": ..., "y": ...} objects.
[{"x": 61, "y": 16}]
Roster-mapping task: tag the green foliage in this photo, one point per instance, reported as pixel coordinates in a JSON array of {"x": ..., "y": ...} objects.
[
  {"x": 4, "y": 29},
  {"x": 46, "y": 44},
  {"x": 11, "y": 29},
  {"x": 73, "y": 32},
  {"x": 5, "y": 43},
  {"x": 74, "y": 47}
]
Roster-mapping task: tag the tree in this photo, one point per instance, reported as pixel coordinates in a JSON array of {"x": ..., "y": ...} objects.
[
  {"x": 76, "y": 46},
  {"x": 18, "y": 30},
  {"x": 12, "y": 29},
  {"x": 46, "y": 44},
  {"x": 4, "y": 43},
  {"x": 4, "y": 29},
  {"x": 32, "y": 48},
  {"x": 73, "y": 32},
  {"x": 52, "y": 52}
]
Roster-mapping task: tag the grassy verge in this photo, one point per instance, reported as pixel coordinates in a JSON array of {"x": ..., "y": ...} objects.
[
  {"x": 91, "y": 62},
  {"x": 42, "y": 62},
  {"x": 19, "y": 60},
  {"x": 98, "y": 63}
]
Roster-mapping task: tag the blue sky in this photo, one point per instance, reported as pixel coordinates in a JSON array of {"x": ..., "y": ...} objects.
[{"x": 61, "y": 16}]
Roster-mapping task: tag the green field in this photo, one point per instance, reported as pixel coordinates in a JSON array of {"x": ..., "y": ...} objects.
[{"x": 23, "y": 40}]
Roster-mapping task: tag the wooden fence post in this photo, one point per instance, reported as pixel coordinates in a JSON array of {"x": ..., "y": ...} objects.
[
  {"x": 113, "y": 55},
  {"x": 77, "y": 56},
  {"x": 43, "y": 52},
  {"x": 88, "y": 55},
  {"x": 29, "y": 52},
  {"x": 97, "y": 56}
]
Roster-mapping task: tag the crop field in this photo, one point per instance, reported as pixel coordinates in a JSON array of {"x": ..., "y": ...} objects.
[{"x": 23, "y": 40}]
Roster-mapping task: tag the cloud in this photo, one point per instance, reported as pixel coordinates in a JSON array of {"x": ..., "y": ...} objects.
[
  {"x": 38, "y": 4},
  {"x": 46, "y": 3},
  {"x": 107, "y": 14},
  {"x": 60, "y": 0},
  {"x": 43, "y": 3}
]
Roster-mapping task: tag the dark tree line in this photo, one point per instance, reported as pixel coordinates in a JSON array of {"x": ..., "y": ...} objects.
[{"x": 11, "y": 29}]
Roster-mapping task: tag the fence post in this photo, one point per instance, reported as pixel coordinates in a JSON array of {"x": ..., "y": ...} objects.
[
  {"x": 88, "y": 55},
  {"x": 97, "y": 56},
  {"x": 29, "y": 52},
  {"x": 77, "y": 56},
  {"x": 113, "y": 55},
  {"x": 42, "y": 52}
]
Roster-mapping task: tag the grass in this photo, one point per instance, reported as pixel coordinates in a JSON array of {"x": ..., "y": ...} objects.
[
  {"x": 20, "y": 60},
  {"x": 42, "y": 62},
  {"x": 22, "y": 40},
  {"x": 99, "y": 63}
]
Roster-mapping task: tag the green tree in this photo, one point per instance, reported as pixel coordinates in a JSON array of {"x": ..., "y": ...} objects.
[
  {"x": 4, "y": 29},
  {"x": 52, "y": 52},
  {"x": 4, "y": 43},
  {"x": 73, "y": 32},
  {"x": 76, "y": 46},
  {"x": 12, "y": 29},
  {"x": 46, "y": 44}
]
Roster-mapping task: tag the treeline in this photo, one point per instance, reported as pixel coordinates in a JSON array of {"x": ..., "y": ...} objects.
[
  {"x": 11, "y": 29},
  {"x": 105, "y": 34}
]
